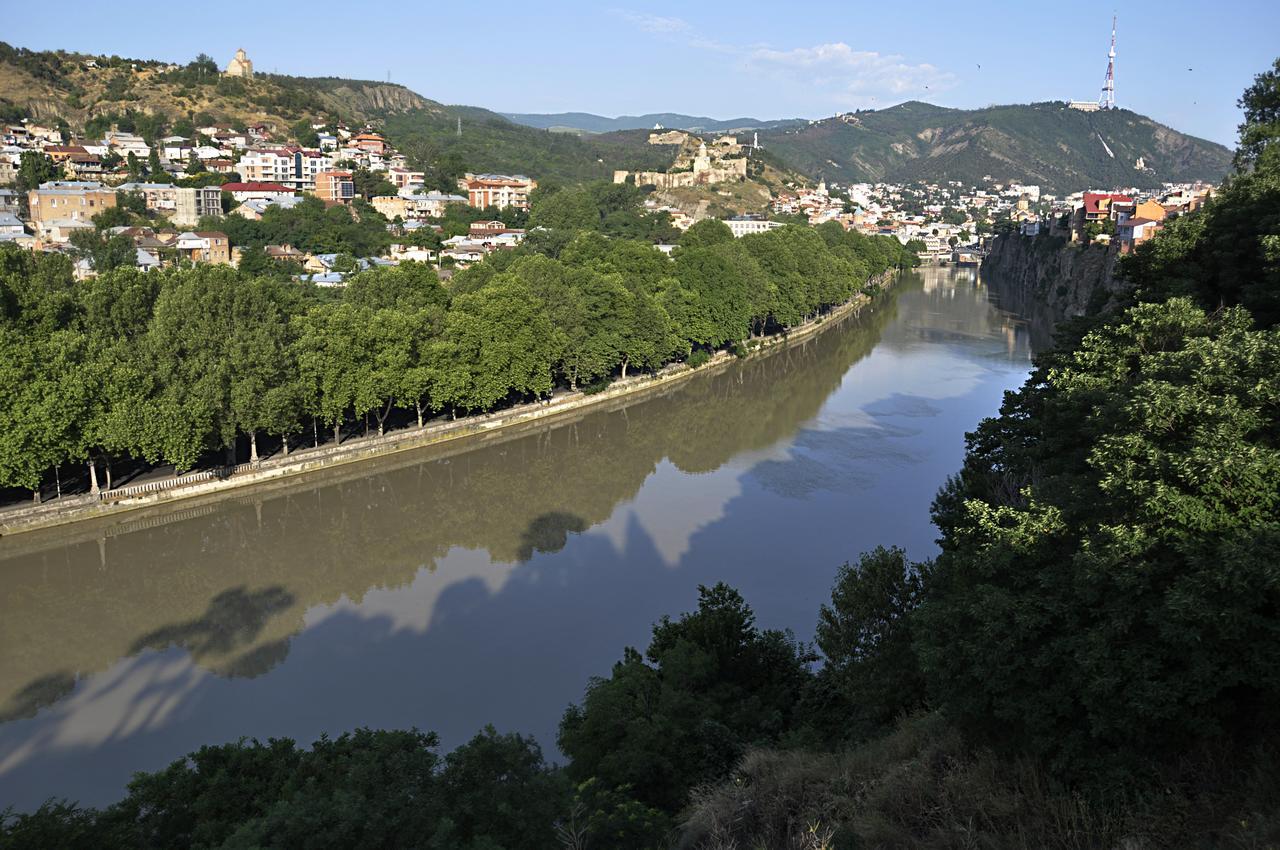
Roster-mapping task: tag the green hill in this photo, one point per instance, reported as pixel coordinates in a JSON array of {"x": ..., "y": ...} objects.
[{"x": 1043, "y": 143}]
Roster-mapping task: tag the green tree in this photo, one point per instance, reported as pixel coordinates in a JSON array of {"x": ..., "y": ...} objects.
[
  {"x": 497, "y": 341},
  {"x": 1260, "y": 130},
  {"x": 34, "y": 168},
  {"x": 710, "y": 684},
  {"x": 705, "y": 233},
  {"x": 865, "y": 636},
  {"x": 1112, "y": 539},
  {"x": 155, "y": 171}
]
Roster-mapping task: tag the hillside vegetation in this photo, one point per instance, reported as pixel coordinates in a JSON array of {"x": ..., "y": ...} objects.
[
  {"x": 1041, "y": 143},
  {"x": 53, "y": 86},
  {"x": 153, "y": 97}
]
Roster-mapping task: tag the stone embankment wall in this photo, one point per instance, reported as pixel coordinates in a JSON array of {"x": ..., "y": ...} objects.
[{"x": 1048, "y": 279}]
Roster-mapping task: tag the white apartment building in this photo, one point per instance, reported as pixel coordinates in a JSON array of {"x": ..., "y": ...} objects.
[
  {"x": 742, "y": 226},
  {"x": 296, "y": 169}
]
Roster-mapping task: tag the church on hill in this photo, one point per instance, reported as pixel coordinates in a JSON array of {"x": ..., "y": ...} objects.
[{"x": 240, "y": 65}]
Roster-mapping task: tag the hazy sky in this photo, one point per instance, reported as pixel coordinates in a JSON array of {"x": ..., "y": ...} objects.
[{"x": 1183, "y": 63}]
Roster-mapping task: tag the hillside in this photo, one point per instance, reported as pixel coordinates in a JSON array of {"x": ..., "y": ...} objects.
[
  {"x": 586, "y": 122},
  {"x": 1043, "y": 143},
  {"x": 50, "y": 86},
  {"x": 53, "y": 87}
]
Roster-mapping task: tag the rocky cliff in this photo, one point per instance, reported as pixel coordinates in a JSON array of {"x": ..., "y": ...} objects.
[{"x": 1048, "y": 279}]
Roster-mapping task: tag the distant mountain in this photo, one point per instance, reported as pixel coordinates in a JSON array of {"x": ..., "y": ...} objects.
[
  {"x": 586, "y": 122},
  {"x": 1043, "y": 143}
]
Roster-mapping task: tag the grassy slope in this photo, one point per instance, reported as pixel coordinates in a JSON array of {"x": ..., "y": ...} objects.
[
  {"x": 50, "y": 86},
  {"x": 1042, "y": 143}
]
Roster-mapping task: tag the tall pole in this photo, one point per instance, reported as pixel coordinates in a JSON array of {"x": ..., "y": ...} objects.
[{"x": 1108, "y": 99}]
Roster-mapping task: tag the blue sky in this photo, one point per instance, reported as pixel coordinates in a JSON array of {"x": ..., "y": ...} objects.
[{"x": 1182, "y": 63}]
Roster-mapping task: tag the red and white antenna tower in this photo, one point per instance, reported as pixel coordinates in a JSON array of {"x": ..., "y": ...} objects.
[{"x": 1108, "y": 99}]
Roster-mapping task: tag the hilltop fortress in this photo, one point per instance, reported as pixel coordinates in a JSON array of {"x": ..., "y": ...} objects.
[{"x": 696, "y": 163}]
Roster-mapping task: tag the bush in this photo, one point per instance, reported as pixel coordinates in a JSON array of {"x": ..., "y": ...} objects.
[{"x": 698, "y": 358}]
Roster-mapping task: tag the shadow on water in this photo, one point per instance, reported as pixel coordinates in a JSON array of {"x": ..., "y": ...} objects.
[
  {"x": 549, "y": 533},
  {"x": 234, "y": 620},
  {"x": 44, "y": 691}
]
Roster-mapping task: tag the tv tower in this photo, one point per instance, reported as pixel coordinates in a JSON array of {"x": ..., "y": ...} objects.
[{"x": 1108, "y": 99}]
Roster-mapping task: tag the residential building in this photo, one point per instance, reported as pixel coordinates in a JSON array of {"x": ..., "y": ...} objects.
[
  {"x": 293, "y": 167},
  {"x": 745, "y": 225},
  {"x": 255, "y": 190},
  {"x": 61, "y": 153},
  {"x": 369, "y": 142},
  {"x": 162, "y": 197},
  {"x": 8, "y": 199},
  {"x": 432, "y": 204},
  {"x": 62, "y": 201},
  {"x": 394, "y": 206},
  {"x": 403, "y": 178},
  {"x": 498, "y": 190},
  {"x": 11, "y": 225},
  {"x": 193, "y": 204},
  {"x": 253, "y": 208},
  {"x": 335, "y": 186},
  {"x": 1097, "y": 205},
  {"x": 210, "y": 246},
  {"x": 127, "y": 143},
  {"x": 1135, "y": 231}
]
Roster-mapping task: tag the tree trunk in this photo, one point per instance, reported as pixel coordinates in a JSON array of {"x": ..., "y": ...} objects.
[
  {"x": 93, "y": 477},
  {"x": 337, "y": 433},
  {"x": 35, "y": 495},
  {"x": 253, "y": 447},
  {"x": 284, "y": 441},
  {"x": 382, "y": 418},
  {"x": 231, "y": 452},
  {"x": 315, "y": 433},
  {"x": 366, "y": 423},
  {"x": 418, "y": 405},
  {"x": 624, "y": 368},
  {"x": 106, "y": 465},
  {"x": 57, "y": 477}
]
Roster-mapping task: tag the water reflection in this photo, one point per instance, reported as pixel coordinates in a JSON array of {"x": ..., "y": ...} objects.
[{"x": 445, "y": 590}]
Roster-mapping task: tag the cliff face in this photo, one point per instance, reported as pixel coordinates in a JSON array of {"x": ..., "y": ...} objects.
[{"x": 1048, "y": 279}]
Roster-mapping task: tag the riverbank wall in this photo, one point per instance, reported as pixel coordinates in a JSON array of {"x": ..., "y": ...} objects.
[
  {"x": 203, "y": 485},
  {"x": 1048, "y": 279}
]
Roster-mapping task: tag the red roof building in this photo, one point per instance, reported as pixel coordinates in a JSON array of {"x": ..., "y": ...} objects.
[{"x": 1097, "y": 205}]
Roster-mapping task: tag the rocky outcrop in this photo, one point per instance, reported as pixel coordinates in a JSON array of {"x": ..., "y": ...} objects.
[{"x": 1048, "y": 279}]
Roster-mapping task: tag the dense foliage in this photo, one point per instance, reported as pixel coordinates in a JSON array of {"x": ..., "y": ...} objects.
[
  {"x": 168, "y": 366},
  {"x": 363, "y": 789}
]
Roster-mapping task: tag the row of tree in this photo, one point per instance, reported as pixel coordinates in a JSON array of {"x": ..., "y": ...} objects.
[{"x": 168, "y": 366}]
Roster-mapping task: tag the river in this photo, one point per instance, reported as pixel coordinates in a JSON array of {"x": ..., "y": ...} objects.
[{"x": 487, "y": 586}]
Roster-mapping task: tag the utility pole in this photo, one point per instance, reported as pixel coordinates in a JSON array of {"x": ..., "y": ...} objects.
[{"x": 459, "y": 126}]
